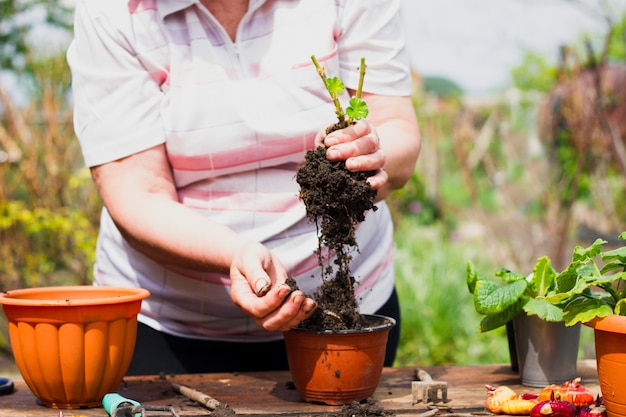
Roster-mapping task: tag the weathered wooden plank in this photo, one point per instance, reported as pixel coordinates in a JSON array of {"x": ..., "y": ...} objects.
[{"x": 272, "y": 394}]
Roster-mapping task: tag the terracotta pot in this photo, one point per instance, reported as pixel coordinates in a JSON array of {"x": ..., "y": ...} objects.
[
  {"x": 610, "y": 342},
  {"x": 336, "y": 368},
  {"x": 72, "y": 344}
]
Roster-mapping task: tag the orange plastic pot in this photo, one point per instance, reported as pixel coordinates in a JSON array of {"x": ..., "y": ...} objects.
[
  {"x": 336, "y": 368},
  {"x": 72, "y": 344},
  {"x": 610, "y": 342}
]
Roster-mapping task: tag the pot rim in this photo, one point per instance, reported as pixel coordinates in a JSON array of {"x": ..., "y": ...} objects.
[
  {"x": 611, "y": 323},
  {"x": 62, "y": 295},
  {"x": 389, "y": 323}
]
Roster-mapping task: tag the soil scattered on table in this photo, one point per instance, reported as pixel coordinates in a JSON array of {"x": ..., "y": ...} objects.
[
  {"x": 368, "y": 408},
  {"x": 336, "y": 201},
  {"x": 223, "y": 411}
]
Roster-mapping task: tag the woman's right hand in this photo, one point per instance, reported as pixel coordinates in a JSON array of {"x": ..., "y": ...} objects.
[{"x": 258, "y": 288}]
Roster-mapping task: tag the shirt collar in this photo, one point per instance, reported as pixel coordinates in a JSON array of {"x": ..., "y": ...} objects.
[{"x": 167, "y": 7}]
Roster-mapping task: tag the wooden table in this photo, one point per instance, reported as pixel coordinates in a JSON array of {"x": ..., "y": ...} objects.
[{"x": 272, "y": 394}]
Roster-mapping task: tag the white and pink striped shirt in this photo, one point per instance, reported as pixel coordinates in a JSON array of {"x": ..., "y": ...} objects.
[{"x": 236, "y": 118}]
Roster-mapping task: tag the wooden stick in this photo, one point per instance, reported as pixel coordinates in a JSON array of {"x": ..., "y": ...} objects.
[{"x": 206, "y": 400}]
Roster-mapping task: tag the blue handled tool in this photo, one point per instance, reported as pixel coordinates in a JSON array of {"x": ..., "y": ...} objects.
[
  {"x": 6, "y": 386},
  {"x": 117, "y": 405}
]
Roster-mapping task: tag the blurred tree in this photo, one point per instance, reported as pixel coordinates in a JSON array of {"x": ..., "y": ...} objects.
[{"x": 17, "y": 20}]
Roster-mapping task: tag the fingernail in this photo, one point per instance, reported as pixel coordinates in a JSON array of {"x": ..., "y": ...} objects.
[
  {"x": 284, "y": 291},
  {"x": 297, "y": 298},
  {"x": 262, "y": 287},
  {"x": 330, "y": 141},
  {"x": 332, "y": 154},
  {"x": 309, "y": 306}
]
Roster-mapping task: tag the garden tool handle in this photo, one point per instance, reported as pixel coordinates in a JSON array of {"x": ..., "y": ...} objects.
[
  {"x": 422, "y": 375},
  {"x": 113, "y": 401}
]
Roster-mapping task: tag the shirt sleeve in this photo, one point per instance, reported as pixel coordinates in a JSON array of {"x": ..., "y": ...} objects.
[
  {"x": 373, "y": 29},
  {"x": 117, "y": 102}
]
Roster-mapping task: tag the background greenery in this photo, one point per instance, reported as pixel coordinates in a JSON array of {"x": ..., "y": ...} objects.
[{"x": 493, "y": 185}]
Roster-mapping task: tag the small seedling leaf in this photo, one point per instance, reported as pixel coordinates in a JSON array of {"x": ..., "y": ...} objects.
[
  {"x": 335, "y": 85},
  {"x": 357, "y": 108}
]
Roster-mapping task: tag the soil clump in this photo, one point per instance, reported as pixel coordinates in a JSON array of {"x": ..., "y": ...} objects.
[
  {"x": 336, "y": 200},
  {"x": 367, "y": 408}
]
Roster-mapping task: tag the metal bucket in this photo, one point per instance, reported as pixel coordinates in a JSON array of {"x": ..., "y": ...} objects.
[{"x": 546, "y": 351}]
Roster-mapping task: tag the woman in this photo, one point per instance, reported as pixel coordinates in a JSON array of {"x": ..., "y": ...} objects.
[{"x": 194, "y": 117}]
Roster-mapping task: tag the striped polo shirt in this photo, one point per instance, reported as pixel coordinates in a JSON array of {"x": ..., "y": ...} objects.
[{"x": 236, "y": 119}]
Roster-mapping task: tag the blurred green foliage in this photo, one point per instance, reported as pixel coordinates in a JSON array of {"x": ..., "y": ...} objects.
[
  {"x": 48, "y": 204},
  {"x": 19, "y": 18}
]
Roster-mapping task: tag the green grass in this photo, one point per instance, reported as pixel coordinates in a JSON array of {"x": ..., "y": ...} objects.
[{"x": 439, "y": 323}]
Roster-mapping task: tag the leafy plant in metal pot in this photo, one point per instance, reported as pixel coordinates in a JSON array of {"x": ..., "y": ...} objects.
[
  {"x": 541, "y": 347},
  {"x": 511, "y": 294}
]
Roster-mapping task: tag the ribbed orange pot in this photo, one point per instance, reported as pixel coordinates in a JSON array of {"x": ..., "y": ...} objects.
[
  {"x": 72, "y": 344},
  {"x": 610, "y": 342},
  {"x": 336, "y": 368}
]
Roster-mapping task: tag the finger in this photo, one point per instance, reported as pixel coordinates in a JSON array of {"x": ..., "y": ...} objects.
[
  {"x": 296, "y": 308},
  {"x": 320, "y": 137},
  {"x": 348, "y": 134},
  {"x": 378, "y": 180},
  {"x": 369, "y": 162},
  {"x": 253, "y": 305},
  {"x": 351, "y": 145}
]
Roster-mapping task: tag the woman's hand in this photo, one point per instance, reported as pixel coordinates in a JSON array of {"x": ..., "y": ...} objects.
[
  {"x": 388, "y": 142},
  {"x": 359, "y": 146},
  {"x": 258, "y": 288}
]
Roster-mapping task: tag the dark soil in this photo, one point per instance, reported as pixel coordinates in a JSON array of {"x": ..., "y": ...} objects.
[
  {"x": 223, "y": 411},
  {"x": 368, "y": 408},
  {"x": 336, "y": 200}
]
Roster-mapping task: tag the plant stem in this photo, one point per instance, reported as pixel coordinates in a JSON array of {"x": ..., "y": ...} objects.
[
  {"x": 362, "y": 68},
  {"x": 359, "y": 90},
  {"x": 338, "y": 109}
]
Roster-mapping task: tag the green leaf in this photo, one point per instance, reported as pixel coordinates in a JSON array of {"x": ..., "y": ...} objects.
[
  {"x": 491, "y": 297},
  {"x": 334, "y": 85},
  {"x": 471, "y": 277},
  {"x": 569, "y": 281},
  {"x": 584, "y": 309},
  {"x": 543, "y": 309},
  {"x": 620, "y": 307},
  {"x": 612, "y": 266},
  {"x": 584, "y": 254},
  {"x": 544, "y": 277},
  {"x": 357, "y": 108},
  {"x": 493, "y": 321},
  {"x": 566, "y": 280},
  {"x": 618, "y": 255},
  {"x": 580, "y": 285},
  {"x": 509, "y": 276}
]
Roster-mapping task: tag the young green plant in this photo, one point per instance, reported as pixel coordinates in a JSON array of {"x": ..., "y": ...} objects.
[
  {"x": 512, "y": 294},
  {"x": 587, "y": 290},
  {"x": 583, "y": 291},
  {"x": 357, "y": 108}
]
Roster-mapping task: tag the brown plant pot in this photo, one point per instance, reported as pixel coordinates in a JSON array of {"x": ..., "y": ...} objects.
[
  {"x": 337, "y": 368},
  {"x": 610, "y": 342},
  {"x": 72, "y": 344}
]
